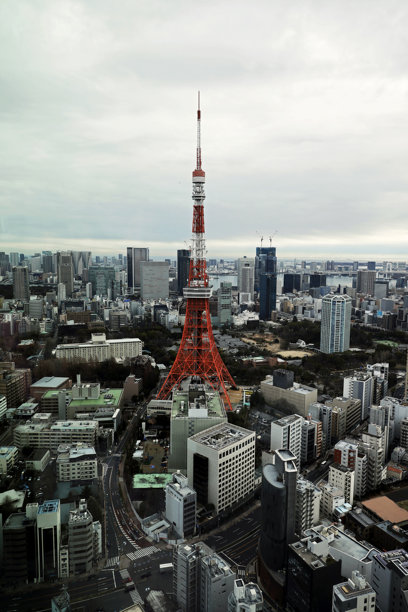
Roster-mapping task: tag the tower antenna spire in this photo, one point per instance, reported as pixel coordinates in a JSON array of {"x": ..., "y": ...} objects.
[{"x": 198, "y": 166}]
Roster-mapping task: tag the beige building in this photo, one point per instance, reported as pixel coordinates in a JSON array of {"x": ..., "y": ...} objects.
[
  {"x": 299, "y": 396},
  {"x": 51, "y": 436},
  {"x": 101, "y": 349},
  {"x": 76, "y": 462}
]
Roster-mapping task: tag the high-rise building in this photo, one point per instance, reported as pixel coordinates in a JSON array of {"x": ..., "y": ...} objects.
[
  {"x": 360, "y": 386},
  {"x": 287, "y": 433},
  {"x": 21, "y": 288},
  {"x": 103, "y": 280},
  {"x": 335, "y": 326},
  {"x": 308, "y": 497},
  {"x": 245, "y": 597},
  {"x": 135, "y": 255},
  {"x": 154, "y": 280},
  {"x": 380, "y": 373},
  {"x": 183, "y": 267},
  {"x": 342, "y": 477},
  {"x": 48, "y": 539},
  {"x": 14, "y": 259},
  {"x": 278, "y": 510},
  {"x": 265, "y": 263},
  {"x": 221, "y": 465},
  {"x": 372, "y": 445},
  {"x": 267, "y": 296},
  {"x": 365, "y": 281},
  {"x": 181, "y": 503},
  {"x": 355, "y": 595},
  {"x": 65, "y": 270},
  {"x": 291, "y": 283},
  {"x": 246, "y": 276},
  {"x": 311, "y": 574},
  {"x": 390, "y": 580},
  {"x": 80, "y": 539},
  {"x": 202, "y": 581},
  {"x": 224, "y": 303}
]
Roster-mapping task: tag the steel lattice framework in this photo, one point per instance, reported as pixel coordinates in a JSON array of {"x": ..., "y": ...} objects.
[{"x": 198, "y": 354}]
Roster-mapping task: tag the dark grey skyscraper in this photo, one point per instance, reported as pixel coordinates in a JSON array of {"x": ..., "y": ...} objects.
[
  {"x": 21, "y": 289},
  {"x": 278, "y": 509},
  {"x": 65, "y": 268},
  {"x": 265, "y": 280},
  {"x": 183, "y": 265},
  {"x": 134, "y": 256}
]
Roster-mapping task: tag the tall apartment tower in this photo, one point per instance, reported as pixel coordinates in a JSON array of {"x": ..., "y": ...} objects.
[
  {"x": 278, "y": 510},
  {"x": 181, "y": 503},
  {"x": 202, "y": 580},
  {"x": 134, "y": 256},
  {"x": 342, "y": 477},
  {"x": 335, "y": 326},
  {"x": 80, "y": 539},
  {"x": 21, "y": 288},
  {"x": 65, "y": 268},
  {"x": 365, "y": 281},
  {"x": 183, "y": 267},
  {"x": 308, "y": 497}
]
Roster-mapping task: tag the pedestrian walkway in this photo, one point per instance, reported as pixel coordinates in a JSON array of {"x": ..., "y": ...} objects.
[
  {"x": 112, "y": 561},
  {"x": 136, "y": 597},
  {"x": 142, "y": 552}
]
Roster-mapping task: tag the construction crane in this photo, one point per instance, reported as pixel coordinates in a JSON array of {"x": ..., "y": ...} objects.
[
  {"x": 270, "y": 237},
  {"x": 261, "y": 237}
]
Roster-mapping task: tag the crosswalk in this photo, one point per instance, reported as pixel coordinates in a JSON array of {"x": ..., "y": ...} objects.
[
  {"x": 112, "y": 561},
  {"x": 142, "y": 552},
  {"x": 136, "y": 598}
]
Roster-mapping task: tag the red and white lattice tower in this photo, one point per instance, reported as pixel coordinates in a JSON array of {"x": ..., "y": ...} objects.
[{"x": 198, "y": 354}]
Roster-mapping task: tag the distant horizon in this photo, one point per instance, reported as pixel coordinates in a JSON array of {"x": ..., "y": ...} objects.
[{"x": 339, "y": 257}]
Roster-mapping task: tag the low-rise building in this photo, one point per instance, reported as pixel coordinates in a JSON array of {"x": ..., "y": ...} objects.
[
  {"x": 76, "y": 462},
  {"x": 355, "y": 595},
  {"x": 8, "y": 457},
  {"x": 49, "y": 383},
  {"x": 299, "y": 396},
  {"x": 38, "y": 460},
  {"x": 101, "y": 349},
  {"x": 51, "y": 436}
]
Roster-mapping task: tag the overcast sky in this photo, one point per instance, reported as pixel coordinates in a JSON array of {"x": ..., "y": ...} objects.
[{"x": 304, "y": 125}]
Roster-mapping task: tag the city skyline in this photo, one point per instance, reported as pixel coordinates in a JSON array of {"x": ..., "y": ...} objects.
[{"x": 303, "y": 109}]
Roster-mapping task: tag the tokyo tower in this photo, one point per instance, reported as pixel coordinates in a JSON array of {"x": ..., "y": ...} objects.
[{"x": 198, "y": 354}]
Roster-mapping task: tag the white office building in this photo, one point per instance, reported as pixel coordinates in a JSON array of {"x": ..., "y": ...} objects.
[
  {"x": 245, "y": 597},
  {"x": 8, "y": 457},
  {"x": 287, "y": 433},
  {"x": 100, "y": 349},
  {"x": 181, "y": 506},
  {"x": 343, "y": 478},
  {"x": 355, "y": 595},
  {"x": 221, "y": 465},
  {"x": 38, "y": 435}
]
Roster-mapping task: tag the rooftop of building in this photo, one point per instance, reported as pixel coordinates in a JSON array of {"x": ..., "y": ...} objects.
[
  {"x": 297, "y": 387},
  {"x": 349, "y": 590},
  {"x": 51, "y": 505},
  {"x": 288, "y": 420},
  {"x": 397, "y": 558},
  {"x": 151, "y": 481},
  {"x": 337, "y": 540},
  {"x": 73, "y": 425},
  {"x": 8, "y": 451},
  {"x": 222, "y": 435},
  {"x": 38, "y": 454},
  {"x": 108, "y": 397},
  {"x": 398, "y": 532},
  {"x": 361, "y": 517},
  {"x": 52, "y": 382},
  {"x": 216, "y": 566},
  {"x": 386, "y": 509},
  {"x": 196, "y": 396},
  {"x": 75, "y": 453},
  {"x": 17, "y": 520}
]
